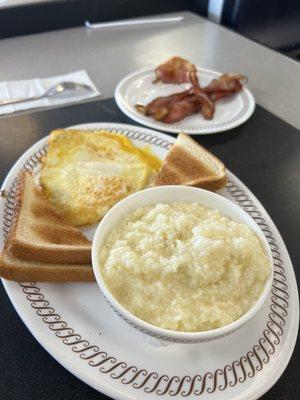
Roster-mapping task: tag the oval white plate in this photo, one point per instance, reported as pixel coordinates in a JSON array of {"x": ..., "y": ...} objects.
[
  {"x": 76, "y": 326},
  {"x": 138, "y": 88}
]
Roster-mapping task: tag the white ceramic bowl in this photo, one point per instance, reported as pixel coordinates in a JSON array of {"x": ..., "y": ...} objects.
[{"x": 171, "y": 194}]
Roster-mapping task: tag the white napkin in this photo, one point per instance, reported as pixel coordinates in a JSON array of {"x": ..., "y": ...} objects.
[{"x": 33, "y": 87}]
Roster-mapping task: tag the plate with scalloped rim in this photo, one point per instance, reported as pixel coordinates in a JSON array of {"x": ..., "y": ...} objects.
[
  {"x": 138, "y": 88},
  {"x": 77, "y": 327}
]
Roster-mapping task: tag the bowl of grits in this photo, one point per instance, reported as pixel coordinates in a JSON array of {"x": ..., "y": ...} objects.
[{"x": 182, "y": 264}]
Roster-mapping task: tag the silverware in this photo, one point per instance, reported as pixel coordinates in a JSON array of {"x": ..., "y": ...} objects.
[{"x": 53, "y": 91}]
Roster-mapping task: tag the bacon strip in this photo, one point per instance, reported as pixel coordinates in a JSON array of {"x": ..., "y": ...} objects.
[
  {"x": 175, "y": 70},
  {"x": 207, "y": 105},
  {"x": 231, "y": 83},
  {"x": 174, "y": 108}
]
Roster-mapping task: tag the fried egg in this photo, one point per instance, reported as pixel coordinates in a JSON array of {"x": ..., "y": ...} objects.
[{"x": 86, "y": 172}]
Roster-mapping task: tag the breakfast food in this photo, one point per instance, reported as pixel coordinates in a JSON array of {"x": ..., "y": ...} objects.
[
  {"x": 86, "y": 172},
  {"x": 41, "y": 234},
  {"x": 184, "y": 267},
  {"x": 42, "y": 245},
  {"x": 175, "y": 70},
  {"x": 207, "y": 106},
  {"x": 177, "y": 106},
  {"x": 188, "y": 163},
  {"x": 15, "y": 269},
  {"x": 225, "y": 86},
  {"x": 170, "y": 108}
]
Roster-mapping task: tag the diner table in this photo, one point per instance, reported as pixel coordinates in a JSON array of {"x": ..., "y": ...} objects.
[{"x": 264, "y": 152}]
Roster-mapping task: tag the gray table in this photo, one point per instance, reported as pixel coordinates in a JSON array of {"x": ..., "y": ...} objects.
[{"x": 108, "y": 55}]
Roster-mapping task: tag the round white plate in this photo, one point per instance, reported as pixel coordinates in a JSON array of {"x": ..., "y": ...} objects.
[
  {"x": 76, "y": 326},
  {"x": 138, "y": 88}
]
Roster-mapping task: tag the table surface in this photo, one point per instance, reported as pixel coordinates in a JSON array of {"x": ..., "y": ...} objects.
[
  {"x": 14, "y": 3},
  {"x": 110, "y": 54},
  {"x": 270, "y": 144}
]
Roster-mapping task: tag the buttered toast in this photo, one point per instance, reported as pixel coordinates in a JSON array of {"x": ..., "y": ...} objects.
[{"x": 188, "y": 163}]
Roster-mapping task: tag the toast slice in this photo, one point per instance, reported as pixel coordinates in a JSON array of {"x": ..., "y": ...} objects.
[
  {"x": 14, "y": 269},
  {"x": 40, "y": 233},
  {"x": 188, "y": 163}
]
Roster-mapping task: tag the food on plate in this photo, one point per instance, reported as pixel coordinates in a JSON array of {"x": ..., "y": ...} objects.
[
  {"x": 86, "y": 172},
  {"x": 171, "y": 108},
  {"x": 40, "y": 233},
  {"x": 225, "y": 86},
  {"x": 175, "y": 107},
  {"x": 188, "y": 163},
  {"x": 42, "y": 245},
  {"x": 184, "y": 267},
  {"x": 18, "y": 270},
  {"x": 175, "y": 70},
  {"x": 207, "y": 106}
]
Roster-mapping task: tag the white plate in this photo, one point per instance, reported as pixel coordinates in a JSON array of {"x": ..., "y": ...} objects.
[
  {"x": 76, "y": 326},
  {"x": 138, "y": 88}
]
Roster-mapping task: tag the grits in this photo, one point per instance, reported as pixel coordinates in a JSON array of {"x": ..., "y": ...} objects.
[{"x": 184, "y": 267}]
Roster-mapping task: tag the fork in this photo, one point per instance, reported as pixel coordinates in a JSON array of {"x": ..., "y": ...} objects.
[{"x": 53, "y": 91}]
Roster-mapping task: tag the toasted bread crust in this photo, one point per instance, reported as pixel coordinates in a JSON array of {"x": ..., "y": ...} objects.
[
  {"x": 28, "y": 252},
  {"x": 188, "y": 163},
  {"x": 18, "y": 270},
  {"x": 63, "y": 243}
]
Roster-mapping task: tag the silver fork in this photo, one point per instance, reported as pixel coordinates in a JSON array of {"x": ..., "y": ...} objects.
[{"x": 53, "y": 91}]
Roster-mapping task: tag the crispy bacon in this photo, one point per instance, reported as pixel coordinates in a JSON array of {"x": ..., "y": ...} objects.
[
  {"x": 215, "y": 96},
  {"x": 207, "y": 105},
  {"x": 175, "y": 107},
  {"x": 175, "y": 70},
  {"x": 181, "y": 109},
  {"x": 231, "y": 83},
  {"x": 165, "y": 102},
  {"x": 171, "y": 108}
]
